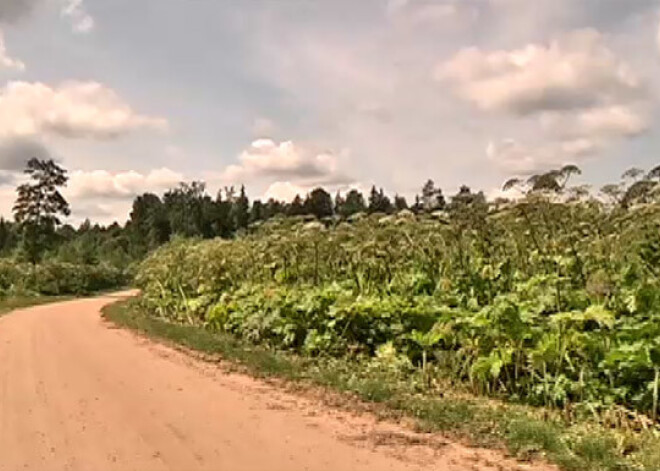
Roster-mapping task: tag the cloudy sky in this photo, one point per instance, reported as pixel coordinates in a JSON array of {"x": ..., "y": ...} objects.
[{"x": 284, "y": 95}]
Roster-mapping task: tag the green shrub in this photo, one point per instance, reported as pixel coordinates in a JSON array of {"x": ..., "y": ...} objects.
[
  {"x": 548, "y": 303},
  {"x": 55, "y": 278}
]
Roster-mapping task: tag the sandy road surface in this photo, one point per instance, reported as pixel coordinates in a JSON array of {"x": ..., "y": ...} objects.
[{"x": 77, "y": 394}]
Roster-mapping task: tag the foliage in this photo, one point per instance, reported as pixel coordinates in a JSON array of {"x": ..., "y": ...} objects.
[
  {"x": 544, "y": 302},
  {"x": 388, "y": 378},
  {"x": 353, "y": 204},
  {"x": 39, "y": 205},
  {"x": 432, "y": 198},
  {"x": 319, "y": 203},
  {"x": 56, "y": 278},
  {"x": 379, "y": 202}
]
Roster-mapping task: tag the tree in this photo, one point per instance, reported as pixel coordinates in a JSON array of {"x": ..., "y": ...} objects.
[
  {"x": 339, "y": 203},
  {"x": 148, "y": 225},
  {"x": 468, "y": 209},
  {"x": 400, "y": 203},
  {"x": 257, "y": 211},
  {"x": 614, "y": 192},
  {"x": 241, "y": 210},
  {"x": 353, "y": 204},
  {"x": 465, "y": 198},
  {"x": 7, "y": 236},
  {"x": 39, "y": 205},
  {"x": 417, "y": 206},
  {"x": 432, "y": 198},
  {"x": 379, "y": 202},
  {"x": 224, "y": 224},
  {"x": 211, "y": 217},
  {"x": 86, "y": 244},
  {"x": 319, "y": 203},
  {"x": 296, "y": 207},
  {"x": 184, "y": 208},
  {"x": 633, "y": 174},
  {"x": 384, "y": 203},
  {"x": 273, "y": 208}
]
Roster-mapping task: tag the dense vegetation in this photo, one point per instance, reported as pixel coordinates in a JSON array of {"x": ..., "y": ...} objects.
[
  {"x": 34, "y": 261},
  {"x": 552, "y": 299},
  {"x": 56, "y": 278},
  {"x": 37, "y": 243},
  {"x": 548, "y": 299}
]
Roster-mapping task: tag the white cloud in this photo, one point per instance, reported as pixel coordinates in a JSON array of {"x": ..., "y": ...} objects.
[
  {"x": 7, "y": 198},
  {"x": 613, "y": 120},
  {"x": 74, "y": 110},
  {"x": 568, "y": 138},
  {"x": 512, "y": 156},
  {"x": 579, "y": 147},
  {"x": 517, "y": 158},
  {"x": 103, "y": 184},
  {"x": 82, "y": 21},
  {"x": 602, "y": 122},
  {"x": 585, "y": 97},
  {"x": 6, "y": 61},
  {"x": 104, "y": 211},
  {"x": 269, "y": 160},
  {"x": 573, "y": 71},
  {"x": 285, "y": 191},
  {"x": 420, "y": 12}
]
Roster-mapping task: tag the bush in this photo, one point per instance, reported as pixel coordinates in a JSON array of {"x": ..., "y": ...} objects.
[
  {"x": 55, "y": 278},
  {"x": 549, "y": 303}
]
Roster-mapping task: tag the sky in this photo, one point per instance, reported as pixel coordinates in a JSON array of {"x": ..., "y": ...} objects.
[{"x": 286, "y": 95}]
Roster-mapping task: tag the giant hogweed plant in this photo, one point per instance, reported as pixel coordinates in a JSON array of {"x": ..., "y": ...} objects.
[{"x": 544, "y": 302}]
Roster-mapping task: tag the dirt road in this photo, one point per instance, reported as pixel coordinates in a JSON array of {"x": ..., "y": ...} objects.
[{"x": 77, "y": 394}]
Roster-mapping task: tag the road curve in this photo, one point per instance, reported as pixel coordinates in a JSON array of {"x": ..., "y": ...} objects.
[{"x": 77, "y": 394}]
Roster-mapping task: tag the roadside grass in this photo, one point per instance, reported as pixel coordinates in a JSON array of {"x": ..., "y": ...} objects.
[
  {"x": 11, "y": 303},
  {"x": 527, "y": 433}
]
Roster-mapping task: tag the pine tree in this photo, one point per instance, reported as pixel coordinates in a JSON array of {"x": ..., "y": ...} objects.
[
  {"x": 296, "y": 207},
  {"x": 224, "y": 222},
  {"x": 273, "y": 208},
  {"x": 379, "y": 202},
  {"x": 400, "y": 203},
  {"x": 257, "y": 211},
  {"x": 339, "y": 203},
  {"x": 242, "y": 210},
  {"x": 39, "y": 205}
]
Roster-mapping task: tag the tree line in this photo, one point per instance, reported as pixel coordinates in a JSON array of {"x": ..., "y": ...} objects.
[{"x": 188, "y": 210}]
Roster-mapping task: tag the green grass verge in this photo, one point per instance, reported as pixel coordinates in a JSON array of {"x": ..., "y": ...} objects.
[
  {"x": 526, "y": 432},
  {"x": 11, "y": 303}
]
